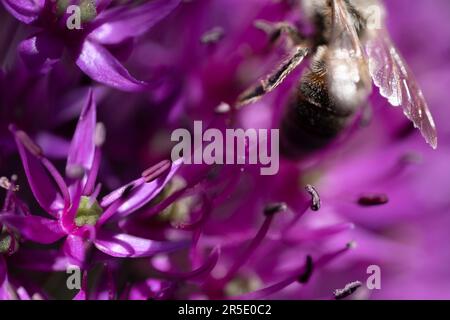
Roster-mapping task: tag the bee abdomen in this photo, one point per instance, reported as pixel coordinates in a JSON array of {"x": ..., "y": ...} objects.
[{"x": 312, "y": 120}]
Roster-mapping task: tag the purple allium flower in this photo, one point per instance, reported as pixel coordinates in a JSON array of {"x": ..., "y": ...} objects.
[
  {"x": 101, "y": 27},
  {"x": 72, "y": 203},
  {"x": 378, "y": 196}
]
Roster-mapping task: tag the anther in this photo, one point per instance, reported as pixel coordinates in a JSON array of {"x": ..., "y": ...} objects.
[
  {"x": 157, "y": 170},
  {"x": 213, "y": 36},
  {"x": 351, "y": 244},
  {"x": 309, "y": 267},
  {"x": 100, "y": 134},
  {"x": 349, "y": 289},
  {"x": 315, "y": 198},
  {"x": 75, "y": 171},
  {"x": 373, "y": 199},
  {"x": 222, "y": 108},
  {"x": 273, "y": 208}
]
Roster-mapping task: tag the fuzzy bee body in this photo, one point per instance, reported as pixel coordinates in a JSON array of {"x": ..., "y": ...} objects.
[
  {"x": 346, "y": 56},
  {"x": 313, "y": 119}
]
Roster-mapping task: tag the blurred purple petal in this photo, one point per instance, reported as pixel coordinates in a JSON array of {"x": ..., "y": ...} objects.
[
  {"x": 34, "y": 228},
  {"x": 40, "y": 260},
  {"x": 82, "y": 148},
  {"x": 99, "y": 64},
  {"x": 128, "y": 246},
  {"x": 53, "y": 146},
  {"x": 26, "y": 11},
  {"x": 40, "y": 52},
  {"x": 120, "y": 23}
]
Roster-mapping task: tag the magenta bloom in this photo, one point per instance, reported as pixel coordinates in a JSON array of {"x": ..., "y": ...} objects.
[
  {"x": 76, "y": 215},
  {"x": 87, "y": 46},
  {"x": 375, "y": 197}
]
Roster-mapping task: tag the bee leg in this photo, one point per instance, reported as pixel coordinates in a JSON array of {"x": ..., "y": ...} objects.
[
  {"x": 277, "y": 29},
  {"x": 275, "y": 79}
]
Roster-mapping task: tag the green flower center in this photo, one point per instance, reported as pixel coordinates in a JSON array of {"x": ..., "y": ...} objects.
[{"x": 88, "y": 213}]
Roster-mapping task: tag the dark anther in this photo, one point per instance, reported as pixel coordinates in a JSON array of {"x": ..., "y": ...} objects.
[
  {"x": 309, "y": 267},
  {"x": 156, "y": 171},
  {"x": 273, "y": 208},
  {"x": 348, "y": 290},
  {"x": 315, "y": 198},
  {"x": 373, "y": 199}
]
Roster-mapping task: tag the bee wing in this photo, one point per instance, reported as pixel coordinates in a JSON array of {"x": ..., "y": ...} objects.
[
  {"x": 397, "y": 84},
  {"x": 348, "y": 76},
  {"x": 275, "y": 79}
]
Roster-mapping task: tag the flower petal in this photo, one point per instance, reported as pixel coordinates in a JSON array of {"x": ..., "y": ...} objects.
[
  {"x": 75, "y": 249},
  {"x": 141, "y": 193},
  {"x": 40, "y": 52},
  {"x": 53, "y": 146},
  {"x": 26, "y": 11},
  {"x": 128, "y": 246},
  {"x": 99, "y": 64},
  {"x": 120, "y": 23},
  {"x": 42, "y": 186},
  {"x": 82, "y": 147},
  {"x": 34, "y": 228},
  {"x": 5, "y": 293},
  {"x": 2, "y": 271}
]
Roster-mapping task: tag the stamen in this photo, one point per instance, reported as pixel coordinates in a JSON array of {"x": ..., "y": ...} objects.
[
  {"x": 373, "y": 199},
  {"x": 315, "y": 198},
  {"x": 273, "y": 208},
  {"x": 257, "y": 240},
  {"x": 204, "y": 269},
  {"x": 349, "y": 289},
  {"x": 304, "y": 278},
  {"x": 320, "y": 263},
  {"x": 9, "y": 185},
  {"x": 156, "y": 171}
]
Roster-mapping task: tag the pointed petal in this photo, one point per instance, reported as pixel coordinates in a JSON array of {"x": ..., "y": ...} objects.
[
  {"x": 40, "y": 52},
  {"x": 5, "y": 293},
  {"x": 120, "y": 23},
  {"x": 75, "y": 250},
  {"x": 141, "y": 193},
  {"x": 82, "y": 147},
  {"x": 99, "y": 64},
  {"x": 41, "y": 184},
  {"x": 34, "y": 228},
  {"x": 2, "y": 271},
  {"x": 26, "y": 11},
  {"x": 128, "y": 246}
]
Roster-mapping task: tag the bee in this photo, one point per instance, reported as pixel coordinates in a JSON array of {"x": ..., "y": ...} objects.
[{"x": 348, "y": 53}]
